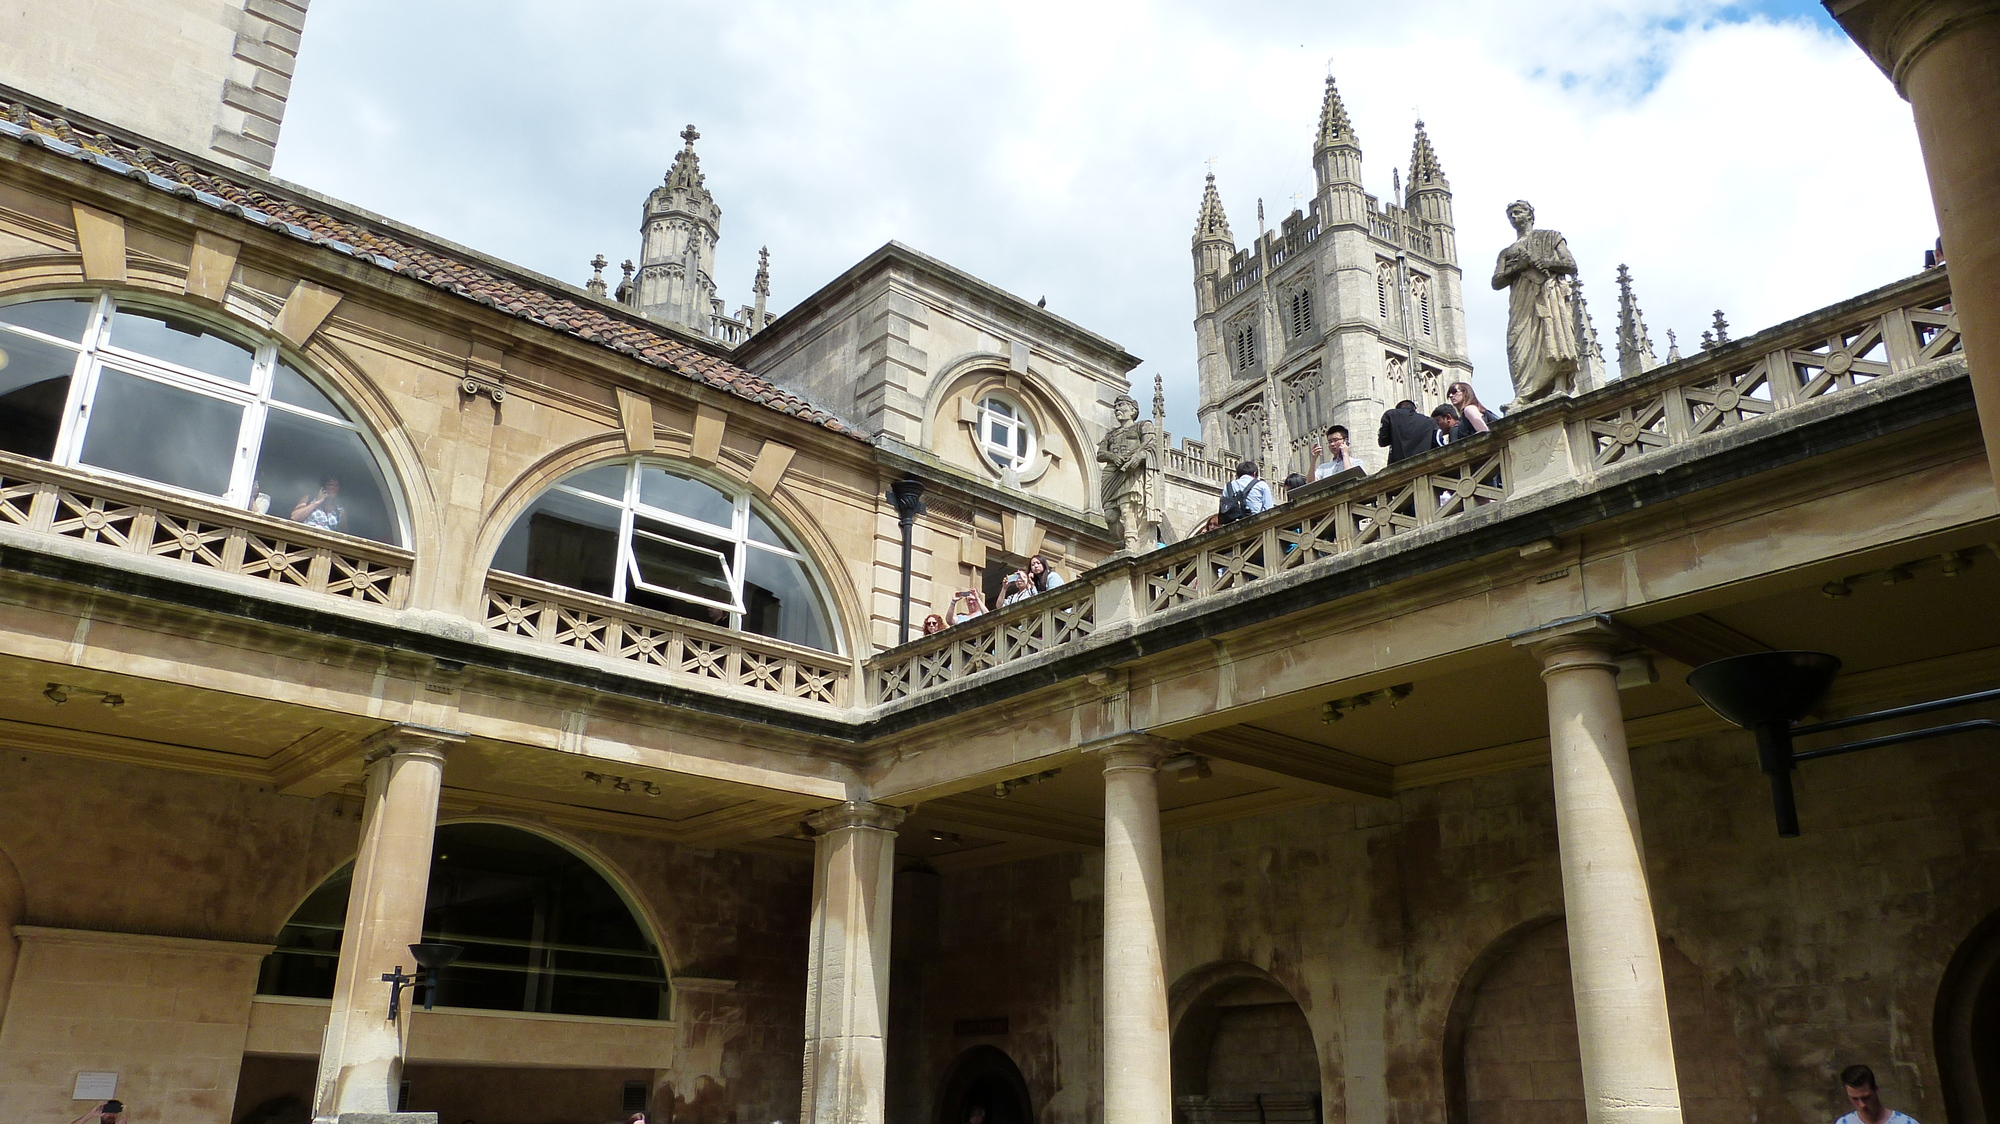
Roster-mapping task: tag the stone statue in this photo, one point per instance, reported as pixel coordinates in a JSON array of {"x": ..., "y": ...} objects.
[
  {"x": 1126, "y": 453},
  {"x": 1541, "y": 315}
]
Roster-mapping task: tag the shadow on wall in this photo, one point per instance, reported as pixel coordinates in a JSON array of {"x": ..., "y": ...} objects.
[
  {"x": 1967, "y": 1027},
  {"x": 984, "y": 1086},
  {"x": 1242, "y": 1050}
]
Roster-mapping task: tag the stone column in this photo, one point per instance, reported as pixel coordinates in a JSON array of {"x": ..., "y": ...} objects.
[
  {"x": 1614, "y": 951},
  {"x": 847, "y": 970},
  {"x": 361, "y": 1055},
  {"x": 1138, "y": 1052},
  {"x": 1944, "y": 56}
]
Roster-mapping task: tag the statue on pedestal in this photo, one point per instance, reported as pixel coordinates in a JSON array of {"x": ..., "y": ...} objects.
[
  {"x": 1537, "y": 269},
  {"x": 1126, "y": 453}
]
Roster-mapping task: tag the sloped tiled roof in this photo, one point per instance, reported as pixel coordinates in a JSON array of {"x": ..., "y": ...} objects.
[{"x": 266, "y": 205}]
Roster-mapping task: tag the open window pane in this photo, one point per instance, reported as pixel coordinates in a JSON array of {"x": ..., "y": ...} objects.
[
  {"x": 298, "y": 456},
  {"x": 691, "y": 499},
  {"x": 779, "y": 602},
  {"x": 63, "y": 319},
  {"x": 180, "y": 341},
  {"x": 670, "y": 560},
  {"x": 151, "y": 430},
  {"x": 34, "y": 385},
  {"x": 294, "y": 389},
  {"x": 566, "y": 540}
]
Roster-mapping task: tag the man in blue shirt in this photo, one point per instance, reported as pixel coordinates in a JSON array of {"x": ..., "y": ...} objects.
[{"x": 1254, "y": 493}]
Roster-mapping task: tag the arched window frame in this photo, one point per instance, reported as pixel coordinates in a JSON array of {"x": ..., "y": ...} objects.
[
  {"x": 746, "y": 516},
  {"x": 1007, "y": 436},
  {"x": 96, "y": 354}
]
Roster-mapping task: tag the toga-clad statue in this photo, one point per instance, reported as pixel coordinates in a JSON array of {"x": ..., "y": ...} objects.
[
  {"x": 1126, "y": 453},
  {"x": 1542, "y": 352}
]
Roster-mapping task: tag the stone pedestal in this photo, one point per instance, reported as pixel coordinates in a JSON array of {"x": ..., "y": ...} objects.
[
  {"x": 847, "y": 970},
  {"x": 1614, "y": 952},
  {"x": 1138, "y": 1051},
  {"x": 361, "y": 1056}
]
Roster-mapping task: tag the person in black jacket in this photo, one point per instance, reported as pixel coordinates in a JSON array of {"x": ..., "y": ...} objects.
[{"x": 1406, "y": 432}]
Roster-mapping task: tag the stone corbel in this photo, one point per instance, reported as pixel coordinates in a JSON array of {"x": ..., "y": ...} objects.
[{"x": 484, "y": 374}]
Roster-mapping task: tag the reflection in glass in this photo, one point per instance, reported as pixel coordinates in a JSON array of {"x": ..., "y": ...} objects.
[
  {"x": 294, "y": 389},
  {"x": 565, "y": 540},
  {"x": 691, "y": 499},
  {"x": 147, "y": 429},
  {"x": 779, "y": 601},
  {"x": 299, "y": 454},
  {"x": 63, "y": 319},
  {"x": 605, "y": 480},
  {"x": 542, "y": 931},
  {"x": 180, "y": 341},
  {"x": 34, "y": 386}
]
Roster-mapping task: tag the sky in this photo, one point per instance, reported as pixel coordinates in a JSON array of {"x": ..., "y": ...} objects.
[{"x": 1742, "y": 157}]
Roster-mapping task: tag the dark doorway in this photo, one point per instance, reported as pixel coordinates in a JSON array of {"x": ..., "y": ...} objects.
[
  {"x": 984, "y": 1086},
  {"x": 1243, "y": 1052},
  {"x": 1967, "y": 1027}
]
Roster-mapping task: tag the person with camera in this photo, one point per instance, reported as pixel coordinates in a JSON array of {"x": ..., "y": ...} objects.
[
  {"x": 973, "y": 606},
  {"x": 1334, "y": 454},
  {"x": 1025, "y": 583},
  {"x": 110, "y": 1112}
]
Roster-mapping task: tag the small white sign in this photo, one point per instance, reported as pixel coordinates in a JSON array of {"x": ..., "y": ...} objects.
[{"x": 99, "y": 1085}]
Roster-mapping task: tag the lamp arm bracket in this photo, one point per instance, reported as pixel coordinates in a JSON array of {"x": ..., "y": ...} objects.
[{"x": 1898, "y": 739}]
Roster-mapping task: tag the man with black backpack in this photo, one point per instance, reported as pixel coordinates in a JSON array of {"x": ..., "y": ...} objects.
[{"x": 1244, "y": 496}]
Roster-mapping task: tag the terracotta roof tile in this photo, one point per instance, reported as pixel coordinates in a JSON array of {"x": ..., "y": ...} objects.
[{"x": 557, "y": 311}]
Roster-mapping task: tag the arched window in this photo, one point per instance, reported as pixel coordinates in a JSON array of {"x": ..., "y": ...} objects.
[
  {"x": 98, "y": 382},
  {"x": 641, "y": 532},
  {"x": 1006, "y": 433},
  {"x": 542, "y": 931}
]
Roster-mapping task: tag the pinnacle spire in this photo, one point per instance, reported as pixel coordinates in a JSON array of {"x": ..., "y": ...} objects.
[
  {"x": 1635, "y": 348},
  {"x": 1425, "y": 170},
  {"x": 1334, "y": 126},
  {"x": 686, "y": 171},
  {"x": 762, "y": 285},
  {"x": 1211, "y": 224}
]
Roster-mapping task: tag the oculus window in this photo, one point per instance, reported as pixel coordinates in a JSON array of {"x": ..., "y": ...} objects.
[
  {"x": 641, "y": 532},
  {"x": 542, "y": 931},
  {"x": 1006, "y": 433},
  {"x": 153, "y": 395}
]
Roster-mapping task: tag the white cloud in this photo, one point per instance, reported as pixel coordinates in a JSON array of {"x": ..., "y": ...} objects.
[{"x": 1056, "y": 148}]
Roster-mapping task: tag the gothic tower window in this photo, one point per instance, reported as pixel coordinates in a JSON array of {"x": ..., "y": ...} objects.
[
  {"x": 157, "y": 394},
  {"x": 1420, "y": 293},
  {"x": 1006, "y": 433},
  {"x": 1301, "y": 311},
  {"x": 1385, "y": 277},
  {"x": 1246, "y": 347},
  {"x": 652, "y": 535}
]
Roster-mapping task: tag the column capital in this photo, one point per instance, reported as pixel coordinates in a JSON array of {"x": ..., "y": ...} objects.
[
  {"x": 856, "y": 813},
  {"x": 1587, "y": 641},
  {"x": 411, "y": 739},
  {"x": 1895, "y": 33},
  {"x": 1136, "y": 749}
]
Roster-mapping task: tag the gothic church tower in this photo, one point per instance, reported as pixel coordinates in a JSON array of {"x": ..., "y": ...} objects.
[
  {"x": 1351, "y": 305},
  {"x": 681, "y": 226}
]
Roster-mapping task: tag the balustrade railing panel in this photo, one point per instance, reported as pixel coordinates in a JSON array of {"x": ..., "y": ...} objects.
[{"x": 1063, "y": 615}]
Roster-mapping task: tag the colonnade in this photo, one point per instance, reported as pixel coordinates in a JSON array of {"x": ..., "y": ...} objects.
[{"x": 1621, "y": 1006}]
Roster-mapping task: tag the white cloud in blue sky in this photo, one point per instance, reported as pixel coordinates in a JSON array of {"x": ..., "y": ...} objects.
[{"x": 1742, "y": 157}]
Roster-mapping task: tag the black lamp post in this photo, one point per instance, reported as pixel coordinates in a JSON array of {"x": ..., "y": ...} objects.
[
  {"x": 432, "y": 958},
  {"x": 908, "y": 496},
  {"x": 1766, "y": 692}
]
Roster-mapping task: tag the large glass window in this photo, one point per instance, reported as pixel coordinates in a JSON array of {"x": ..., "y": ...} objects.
[
  {"x": 641, "y": 532},
  {"x": 542, "y": 931},
  {"x": 126, "y": 389}
]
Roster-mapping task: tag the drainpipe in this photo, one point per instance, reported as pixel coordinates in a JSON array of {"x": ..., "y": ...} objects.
[{"x": 907, "y": 494}]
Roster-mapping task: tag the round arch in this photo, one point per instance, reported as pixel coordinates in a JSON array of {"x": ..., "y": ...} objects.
[
  {"x": 1215, "y": 1013},
  {"x": 250, "y": 316},
  {"x": 549, "y": 923},
  {"x": 1966, "y": 1027},
  {"x": 986, "y": 1079},
  {"x": 973, "y": 375},
  {"x": 828, "y": 579},
  {"x": 1465, "y": 999}
]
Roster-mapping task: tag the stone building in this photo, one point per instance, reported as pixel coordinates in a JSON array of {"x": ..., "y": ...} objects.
[{"x": 360, "y": 592}]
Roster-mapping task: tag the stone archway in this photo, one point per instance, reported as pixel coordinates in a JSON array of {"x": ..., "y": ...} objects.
[
  {"x": 984, "y": 1079},
  {"x": 1967, "y": 1027},
  {"x": 1243, "y": 1052}
]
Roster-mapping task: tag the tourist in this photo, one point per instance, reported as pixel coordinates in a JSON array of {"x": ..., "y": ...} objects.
[
  {"x": 933, "y": 623},
  {"x": 1245, "y": 496},
  {"x": 1478, "y": 417},
  {"x": 1859, "y": 1082},
  {"x": 1042, "y": 574},
  {"x": 321, "y": 509},
  {"x": 110, "y": 1112},
  {"x": 1447, "y": 426},
  {"x": 1338, "y": 453},
  {"x": 1405, "y": 432},
  {"x": 1295, "y": 480},
  {"x": 973, "y": 606}
]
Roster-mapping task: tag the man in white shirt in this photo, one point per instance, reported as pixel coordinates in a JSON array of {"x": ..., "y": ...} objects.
[
  {"x": 1859, "y": 1082},
  {"x": 1338, "y": 455}
]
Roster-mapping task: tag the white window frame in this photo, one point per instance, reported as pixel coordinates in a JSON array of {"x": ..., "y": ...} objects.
[
  {"x": 95, "y": 355},
  {"x": 1023, "y": 436},
  {"x": 735, "y": 563}
]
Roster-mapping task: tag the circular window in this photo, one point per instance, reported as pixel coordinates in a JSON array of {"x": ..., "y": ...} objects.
[
  {"x": 640, "y": 532},
  {"x": 91, "y": 381},
  {"x": 1006, "y": 433}
]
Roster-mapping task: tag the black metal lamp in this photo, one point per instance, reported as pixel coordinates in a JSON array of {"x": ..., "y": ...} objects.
[
  {"x": 907, "y": 495},
  {"x": 433, "y": 958},
  {"x": 1766, "y": 692}
]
